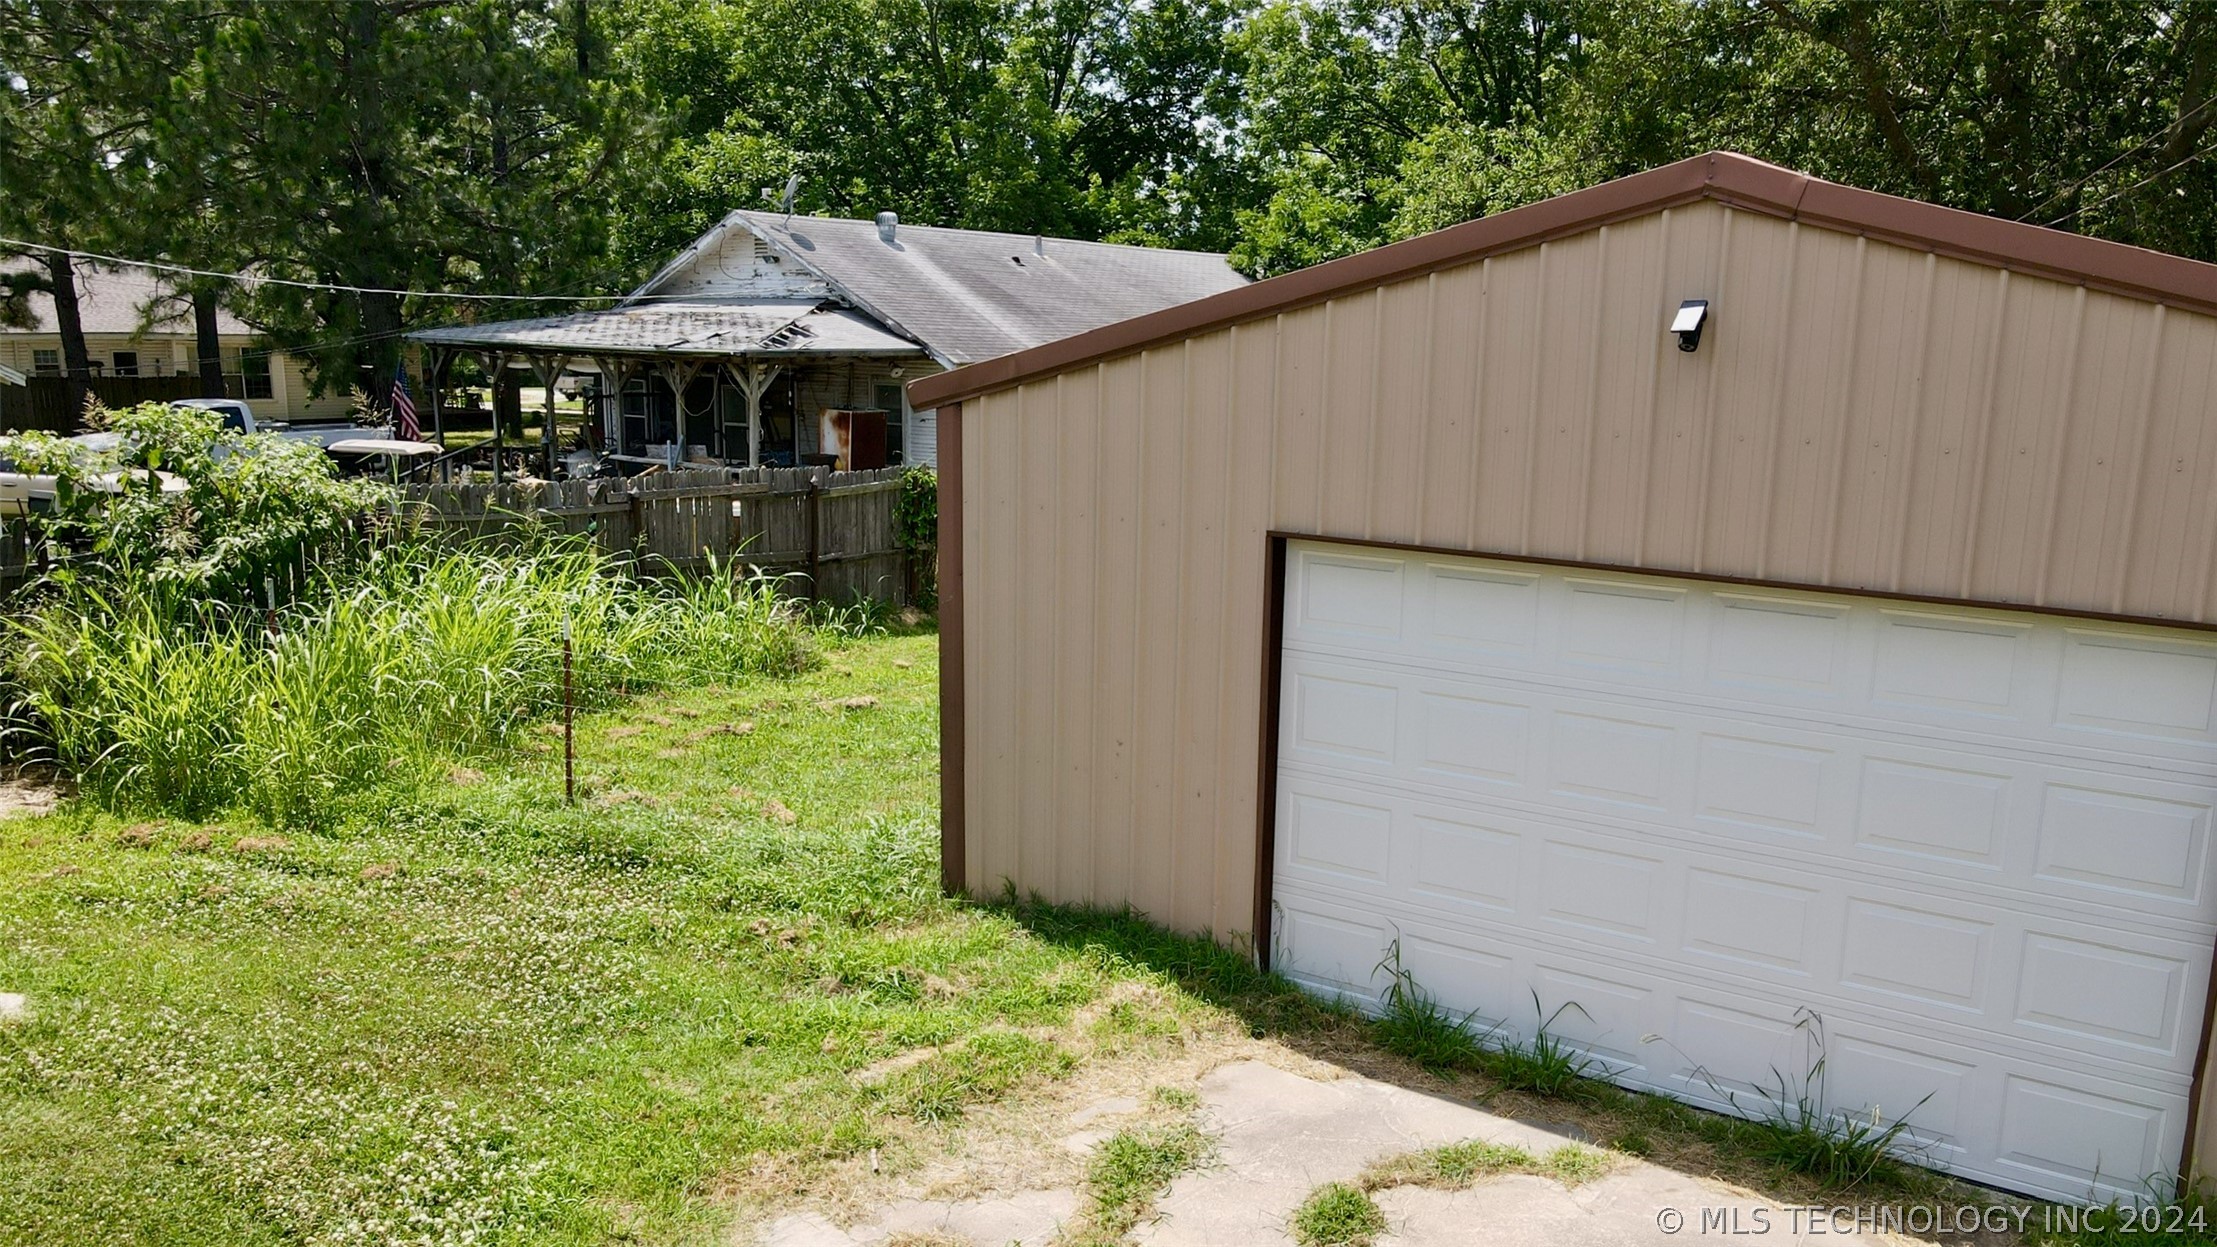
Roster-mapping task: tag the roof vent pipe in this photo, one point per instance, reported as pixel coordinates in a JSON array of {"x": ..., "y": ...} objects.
[{"x": 887, "y": 221}]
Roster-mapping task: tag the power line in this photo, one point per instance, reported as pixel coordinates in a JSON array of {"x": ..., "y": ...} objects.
[
  {"x": 2158, "y": 175},
  {"x": 252, "y": 279},
  {"x": 2120, "y": 157}
]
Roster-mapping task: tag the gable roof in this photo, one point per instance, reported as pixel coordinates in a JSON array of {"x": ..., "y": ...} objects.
[
  {"x": 1727, "y": 177},
  {"x": 112, "y": 301},
  {"x": 970, "y": 295}
]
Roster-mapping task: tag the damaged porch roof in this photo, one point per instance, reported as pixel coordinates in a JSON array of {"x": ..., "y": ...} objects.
[{"x": 710, "y": 329}]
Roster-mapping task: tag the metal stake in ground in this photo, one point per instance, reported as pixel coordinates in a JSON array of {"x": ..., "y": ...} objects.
[{"x": 569, "y": 725}]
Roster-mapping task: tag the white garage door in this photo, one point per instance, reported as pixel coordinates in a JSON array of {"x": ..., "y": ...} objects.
[{"x": 1973, "y": 843}]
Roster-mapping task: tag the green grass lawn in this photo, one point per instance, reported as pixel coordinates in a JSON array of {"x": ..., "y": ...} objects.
[
  {"x": 469, "y": 1013},
  {"x": 464, "y": 1012}
]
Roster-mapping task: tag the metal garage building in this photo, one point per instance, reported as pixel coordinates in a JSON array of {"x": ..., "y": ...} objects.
[{"x": 1855, "y": 664}]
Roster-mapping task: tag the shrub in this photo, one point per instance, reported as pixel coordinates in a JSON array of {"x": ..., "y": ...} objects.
[
  {"x": 244, "y": 510},
  {"x": 916, "y": 527}
]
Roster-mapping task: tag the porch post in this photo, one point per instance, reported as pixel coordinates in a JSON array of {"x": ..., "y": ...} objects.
[
  {"x": 613, "y": 376},
  {"x": 681, "y": 376},
  {"x": 496, "y": 366},
  {"x": 435, "y": 363},
  {"x": 754, "y": 382},
  {"x": 552, "y": 372}
]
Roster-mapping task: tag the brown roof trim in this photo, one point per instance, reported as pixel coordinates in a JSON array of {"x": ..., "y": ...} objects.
[{"x": 1728, "y": 177}]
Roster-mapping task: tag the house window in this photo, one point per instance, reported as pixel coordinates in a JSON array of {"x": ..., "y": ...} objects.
[
  {"x": 46, "y": 362},
  {"x": 126, "y": 363},
  {"x": 254, "y": 368}
]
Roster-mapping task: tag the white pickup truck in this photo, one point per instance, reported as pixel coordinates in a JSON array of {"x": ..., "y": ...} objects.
[{"x": 239, "y": 418}]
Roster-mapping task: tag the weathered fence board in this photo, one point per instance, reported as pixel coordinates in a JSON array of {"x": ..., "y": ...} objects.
[{"x": 832, "y": 530}]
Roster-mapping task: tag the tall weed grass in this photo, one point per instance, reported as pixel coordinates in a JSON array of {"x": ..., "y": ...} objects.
[{"x": 160, "y": 702}]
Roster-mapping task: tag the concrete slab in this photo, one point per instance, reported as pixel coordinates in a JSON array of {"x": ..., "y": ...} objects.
[{"x": 1280, "y": 1136}]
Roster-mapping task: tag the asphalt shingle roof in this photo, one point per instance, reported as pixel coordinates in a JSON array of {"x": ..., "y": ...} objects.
[
  {"x": 113, "y": 301},
  {"x": 971, "y": 295}
]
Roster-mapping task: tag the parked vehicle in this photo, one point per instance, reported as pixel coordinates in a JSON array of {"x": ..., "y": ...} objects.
[{"x": 239, "y": 418}]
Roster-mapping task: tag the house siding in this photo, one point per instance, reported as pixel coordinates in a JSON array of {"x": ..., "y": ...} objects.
[
  {"x": 173, "y": 355},
  {"x": 1861, "y": 416}
]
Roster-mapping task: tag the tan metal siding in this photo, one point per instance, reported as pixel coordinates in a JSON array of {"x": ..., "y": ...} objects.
[{"x": 1861, "y": 415}]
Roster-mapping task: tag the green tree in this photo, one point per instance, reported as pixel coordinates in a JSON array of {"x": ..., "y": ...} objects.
[
  {"x": 1357, "y": 107},
  {"x": 1376, "y": 119},
  {"x": 1086, "y": 118},
  {"x": 67, "y": 129},
  {"x": 394, "y": 145}
]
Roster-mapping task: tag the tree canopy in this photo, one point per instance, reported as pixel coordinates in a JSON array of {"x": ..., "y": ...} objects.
[{"x": 551, "y": 147}]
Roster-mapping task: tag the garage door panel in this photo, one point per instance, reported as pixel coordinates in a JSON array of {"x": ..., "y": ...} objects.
[
  {"x": 1480, "y": 612},
  {"x": 1617, "y": 624},
  {"x": 1947, "y": 1081},
  {"x": 1432, "y": 824},
  {"x": 2088, "y": 687},
  {"x": 1872, "y": 1073},
  {"x": 2162, "y": 689},
  {"x": 2143, "y": 1025},
  {"x": 1900, "y": 807},
  {"x": 1962, "y": 664},
  {"x": 2084, "y": 1137},
  {"x": 1748, "y": 920},
  {"x": 1686, "y": 820},
  {"x": 2037, "y": 738},
  {"x": 1788, "y": 647},
  {"x": 2150, "y": 844}
]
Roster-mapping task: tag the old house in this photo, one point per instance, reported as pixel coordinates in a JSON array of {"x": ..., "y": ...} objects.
[{"x": 735, "y": 349}]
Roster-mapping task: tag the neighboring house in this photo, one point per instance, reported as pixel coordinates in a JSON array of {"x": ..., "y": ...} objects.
[
  {"x": 137, "y": 327},
  {"x": 1844, "y": 686},
  {"x": 767, "y": 320}
]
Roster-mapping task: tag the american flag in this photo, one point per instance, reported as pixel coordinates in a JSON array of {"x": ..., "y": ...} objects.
[{"x": 404, "y": 409}]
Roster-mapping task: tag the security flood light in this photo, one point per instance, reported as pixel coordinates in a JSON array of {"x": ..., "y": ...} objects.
[{"x": 1692, "y": 314}]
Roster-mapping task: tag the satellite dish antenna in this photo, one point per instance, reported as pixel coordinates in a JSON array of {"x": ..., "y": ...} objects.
[{"x": 785, "y": 201}]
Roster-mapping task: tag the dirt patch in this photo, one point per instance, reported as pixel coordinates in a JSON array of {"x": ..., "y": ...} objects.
[{"x": 26, "y": 797}]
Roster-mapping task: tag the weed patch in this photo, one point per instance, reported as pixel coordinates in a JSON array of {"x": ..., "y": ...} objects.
[
  {"x": 1459, "y": 1165},
  {"x": 1337, "y": 1215},
  {"x": 1132, "y": 1168}
]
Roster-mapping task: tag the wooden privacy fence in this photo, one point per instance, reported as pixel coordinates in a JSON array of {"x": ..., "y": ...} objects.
[
  {"x": 835, "y": 529},
  {"x": 832, "y": 532},
  {"x": 42, "y": 402}
]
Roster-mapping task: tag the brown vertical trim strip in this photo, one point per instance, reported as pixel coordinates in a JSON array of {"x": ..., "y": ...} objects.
[
  {"x": 953, "y": 745},
  {"x": 2198, "y": 1088},
  {"x": 1266, "y": 777}
]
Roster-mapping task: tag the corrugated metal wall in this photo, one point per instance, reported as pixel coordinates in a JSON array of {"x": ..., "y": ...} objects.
[{"x": 1860, "y": 415}]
